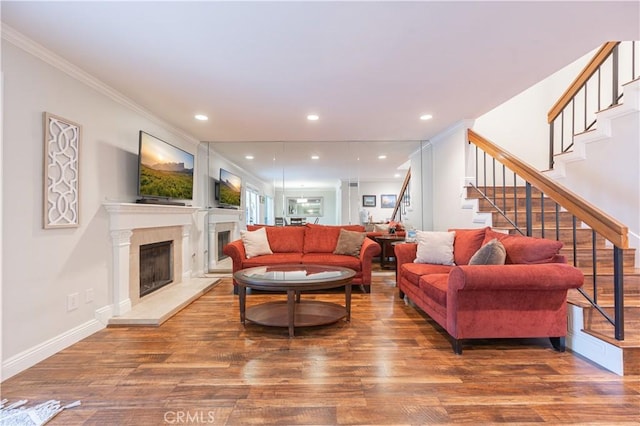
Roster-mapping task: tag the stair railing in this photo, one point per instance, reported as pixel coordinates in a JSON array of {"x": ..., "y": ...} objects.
[
  {"x": 598, "y": 84},
  {"x": 403, "y": 198},
  {"x": 494, "y": 166}
]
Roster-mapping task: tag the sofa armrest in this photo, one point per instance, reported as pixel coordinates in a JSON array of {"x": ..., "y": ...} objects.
[
  {"x": 235, "y": 250},
  {"x": 405, "y": 253},
  {"x": 368, "y": 250},
  {"x": 546, "y": 276}
]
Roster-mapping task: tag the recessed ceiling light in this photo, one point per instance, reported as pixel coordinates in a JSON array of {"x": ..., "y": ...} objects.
[
  {"x": 249, "y": 157},
  {"x": 382, "y": 157},
  {"x": 312, "y": 117},
  {"x": 397, "y": 175},
  {"x": 426, "y": 117},
  {"x": 201, "y": 117},
  {"x": 315, "y": 157}
]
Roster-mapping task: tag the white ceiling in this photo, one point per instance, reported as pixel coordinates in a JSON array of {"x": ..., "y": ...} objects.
[{"x": 369, "y": 69}]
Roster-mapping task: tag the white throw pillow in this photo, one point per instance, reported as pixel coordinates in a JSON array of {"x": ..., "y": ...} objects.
[
  {"x": 255, "y": 242},
  {"x": 435, "y": 247}
]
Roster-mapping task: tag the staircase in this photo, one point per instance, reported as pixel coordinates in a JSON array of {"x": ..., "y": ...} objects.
[
  {"x": 604, "y": 315},
  {"x": 512, "y": 201}
]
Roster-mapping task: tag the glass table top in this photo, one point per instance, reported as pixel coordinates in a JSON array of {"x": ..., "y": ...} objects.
[{"x": 294, "y": 274}]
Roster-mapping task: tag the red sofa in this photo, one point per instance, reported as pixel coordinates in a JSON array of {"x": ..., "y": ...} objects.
[
  {"x": 308, "y": 244},
  {"x": 524, "y": 298}
]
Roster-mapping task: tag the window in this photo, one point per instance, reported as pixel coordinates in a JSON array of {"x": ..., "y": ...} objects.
[{"x": 253, "y": 206}]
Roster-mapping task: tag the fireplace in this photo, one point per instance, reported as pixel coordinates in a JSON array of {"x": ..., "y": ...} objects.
[
  {"x": 156, "y": 266},
  {"x": 224, "y": 238},
  {"x": 222, "y": 230},
  {"x": 132, "y": 225}
]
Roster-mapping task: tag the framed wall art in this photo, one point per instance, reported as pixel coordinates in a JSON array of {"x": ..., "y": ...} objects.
[
  {"x": 388, "y": 201},
  {"x": 61, "y": 193},
  {"x": 368, "y": 201}
]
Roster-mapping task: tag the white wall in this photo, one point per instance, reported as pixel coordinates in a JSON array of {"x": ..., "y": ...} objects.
[
  {"x": 42, "y": 267},
  {"x": 419, "y": 214},
  {"x": 520, "y": 124},
  {"x": 449, "y": 151},
  {"x": 609, "y": 176},
  {"x": 1, "y": 207}
]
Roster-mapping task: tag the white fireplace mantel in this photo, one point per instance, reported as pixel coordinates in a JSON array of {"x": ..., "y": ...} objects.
[{"x": 126, "y": 217}]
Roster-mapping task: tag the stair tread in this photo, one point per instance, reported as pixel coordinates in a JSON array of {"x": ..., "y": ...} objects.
[
  {"x": 602, "y": 271},
  {"x": 630, "y": 341}
]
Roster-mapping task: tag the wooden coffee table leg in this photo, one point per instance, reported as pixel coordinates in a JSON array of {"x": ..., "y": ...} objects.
[
  {"x": 347, "y": 300},
  {"x": 291, "y": 310},
  {"x": 242, "y": 298}
]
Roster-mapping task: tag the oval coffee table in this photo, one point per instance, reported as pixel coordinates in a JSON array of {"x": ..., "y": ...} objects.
[{"x": 294, "y": 280}]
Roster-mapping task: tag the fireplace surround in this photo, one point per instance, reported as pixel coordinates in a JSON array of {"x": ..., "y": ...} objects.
[{"x": 132, "y": 225}]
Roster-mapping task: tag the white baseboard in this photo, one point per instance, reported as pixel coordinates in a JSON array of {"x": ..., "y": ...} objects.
[
  {"x": 596, "y": 350},
  {"x": 34, "y": 355}
]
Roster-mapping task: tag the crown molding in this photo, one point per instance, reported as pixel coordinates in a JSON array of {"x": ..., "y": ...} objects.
[{"x": 23, "y": 42}]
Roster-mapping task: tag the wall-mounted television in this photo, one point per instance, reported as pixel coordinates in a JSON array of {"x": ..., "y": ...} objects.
[
  {"x": 165, "y": 172},
  {"x": 230, "y": 189}
]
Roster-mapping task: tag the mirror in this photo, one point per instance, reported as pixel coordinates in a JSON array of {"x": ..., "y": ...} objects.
[
  {"x": 305, "y": 207},
  {"x": 332, "y": 176}
]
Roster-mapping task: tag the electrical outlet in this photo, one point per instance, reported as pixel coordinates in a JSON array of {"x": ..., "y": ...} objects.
[
  {"x": 72, "y": 301},
  {"x": 88, "y": 295}
]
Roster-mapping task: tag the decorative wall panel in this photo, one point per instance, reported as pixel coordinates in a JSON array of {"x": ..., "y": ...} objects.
[{"x": 61, "y": 172}]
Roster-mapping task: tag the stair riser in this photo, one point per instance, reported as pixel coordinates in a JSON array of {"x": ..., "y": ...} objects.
[
  {"x": 586, "y": 262},
  {"x": 564, "y": 219},
  {"x": 584, "y": 237},
  {"x": 630, "y": 282},
  {"x": 489, "y": 191},
  {"x": 595, "y": 322},
  {"x": 536, "y": 204}
]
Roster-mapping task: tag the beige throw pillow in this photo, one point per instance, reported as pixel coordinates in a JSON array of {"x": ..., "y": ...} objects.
[
  {"x": 255, "y": 242},
  {"x": 349, "y": 243},
  {"x": 435, "y": 247},
  {"x": 492, "y": 253},
  {"x": 381, "y": 227}
]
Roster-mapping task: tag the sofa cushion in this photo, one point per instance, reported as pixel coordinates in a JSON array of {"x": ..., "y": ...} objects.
[
  {"x": 435, "y": 247},
  {"x": 521, "y": 249},
  {"x": 413, "y": 271},
  {"x": 332, "y": 260},
  {"x": 324, "y": 238},
  {"x": 492, "y": 253},
  {"x": 283, "y": 239},
  {"x": 466, "y": 243},
  {"x": 350, "y": 243},
  {"x": 273, "y": 259},
  {"x": 255, "y": 242},
  {"x": 435, "y": 287}
]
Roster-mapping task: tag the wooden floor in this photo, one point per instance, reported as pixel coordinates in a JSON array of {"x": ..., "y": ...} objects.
[{"x": 391, "y": 365}]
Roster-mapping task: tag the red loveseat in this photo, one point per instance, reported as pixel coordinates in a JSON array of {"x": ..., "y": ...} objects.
[
  {"x": 524, "y": 298},
  {"x": 309, "y": 244}
]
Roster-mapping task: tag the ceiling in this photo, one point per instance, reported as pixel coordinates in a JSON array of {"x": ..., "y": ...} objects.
[{"x": 368, "y": 69}]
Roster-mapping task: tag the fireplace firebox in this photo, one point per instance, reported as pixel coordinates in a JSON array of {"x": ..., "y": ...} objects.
[
  {"x": 156, "y": 266},
  {"x": 224, "y": 238}
]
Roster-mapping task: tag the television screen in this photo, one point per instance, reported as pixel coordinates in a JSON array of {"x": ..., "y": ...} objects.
[
  {"x": 164, "y": 171},
  {"x": 230, "y": 189}
]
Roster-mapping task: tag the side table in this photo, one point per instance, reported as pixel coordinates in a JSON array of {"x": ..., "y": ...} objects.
[{"x": 387, "y": 256}]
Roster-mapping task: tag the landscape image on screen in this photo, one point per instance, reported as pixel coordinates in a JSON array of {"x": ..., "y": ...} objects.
[
  {"x": 165, "y": 171},
  {"x": 230, "y": 186}
]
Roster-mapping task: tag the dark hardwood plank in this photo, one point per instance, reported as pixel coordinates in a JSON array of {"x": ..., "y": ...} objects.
[{"x": 391, "y": 365}]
